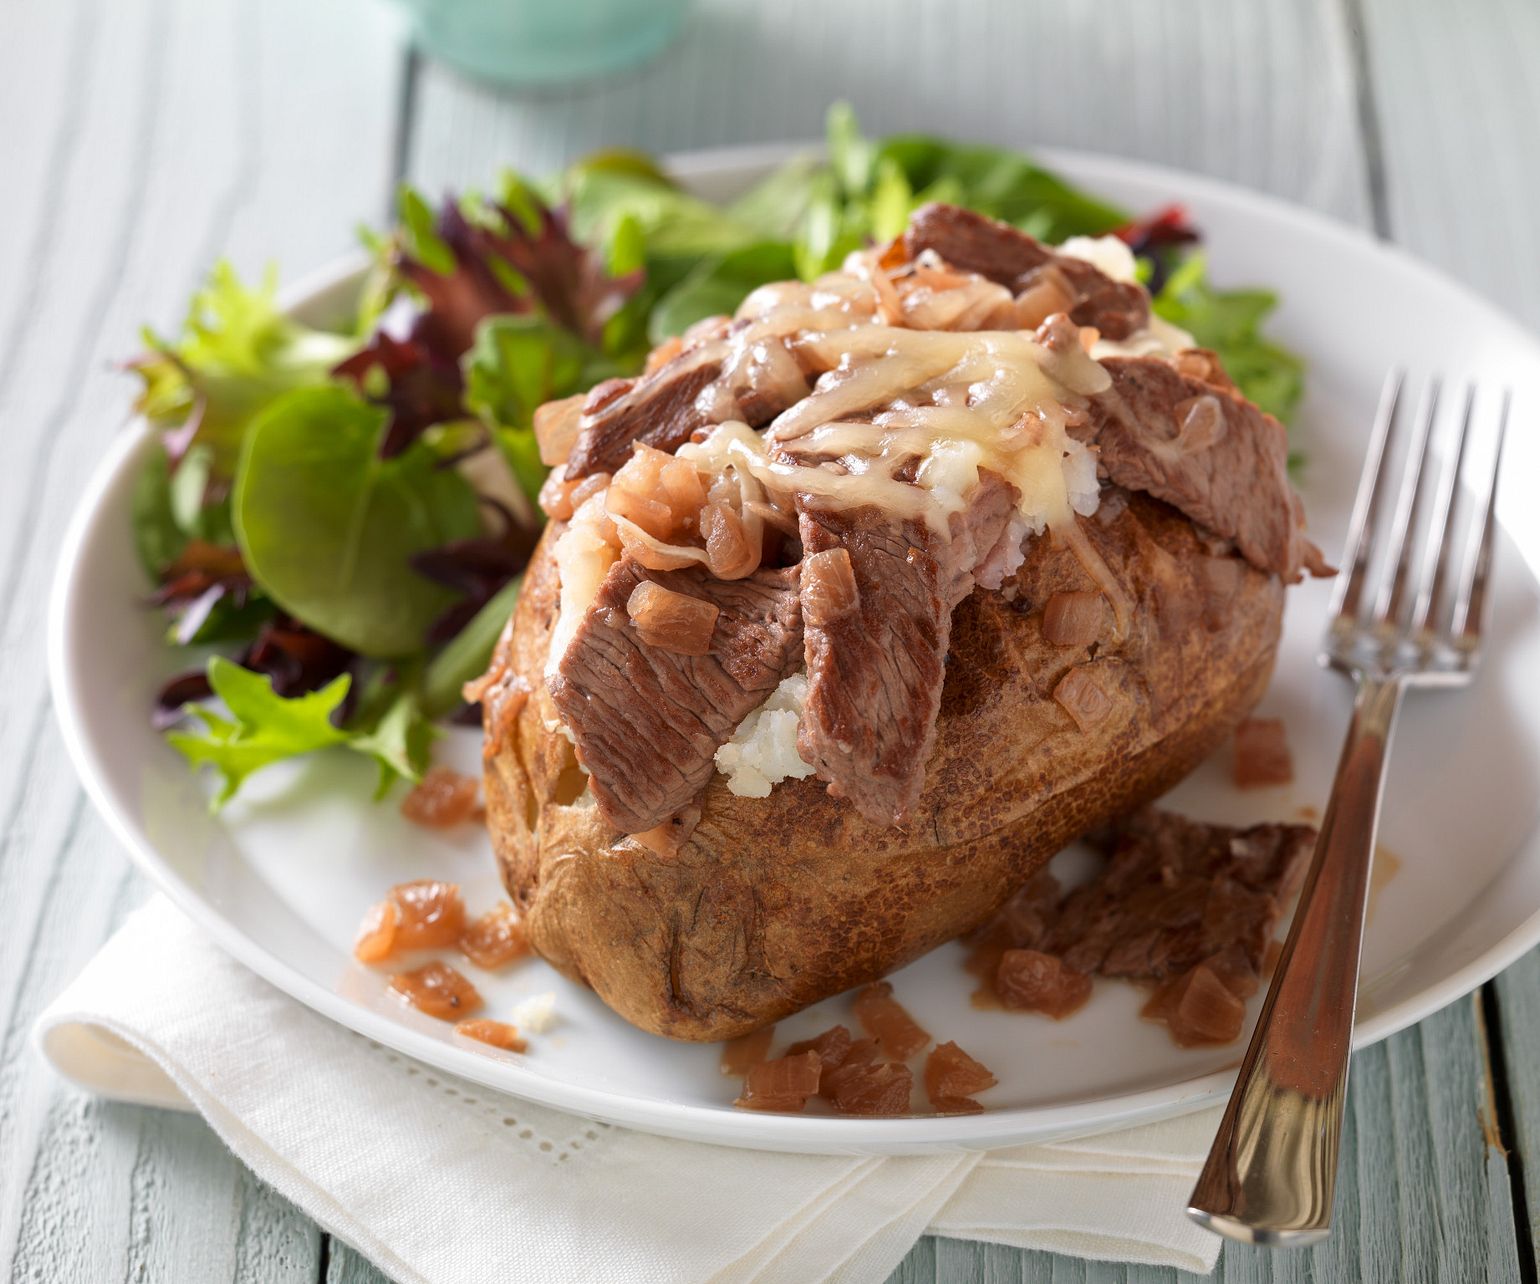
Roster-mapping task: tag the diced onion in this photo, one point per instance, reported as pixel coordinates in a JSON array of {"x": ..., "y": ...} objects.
[
  {"x": 556, "y": 428},
  {"x": 1072, "y": 618},
  {"x": 672, "y": 621},
  {"x": 829, "y": 588},
  {"x": 1080, "y": 696}
]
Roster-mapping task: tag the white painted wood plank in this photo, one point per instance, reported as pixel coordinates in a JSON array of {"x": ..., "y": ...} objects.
[
  {"x": 142, "y": 139},
  {"x": 1209, "y": 86},
  {"x": 1457, "y": 101}
]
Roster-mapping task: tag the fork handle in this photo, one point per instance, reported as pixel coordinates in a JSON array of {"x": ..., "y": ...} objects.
[{"x": 1272, "y": 1173}]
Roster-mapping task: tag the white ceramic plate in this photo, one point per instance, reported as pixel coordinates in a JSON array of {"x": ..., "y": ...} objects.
[{"x": 281, "y": 878}]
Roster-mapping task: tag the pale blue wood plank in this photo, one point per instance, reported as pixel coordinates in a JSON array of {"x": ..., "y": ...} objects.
[
  {"x": 919, "y": 1267},
  {"x": 345, "y": 1265},
  {"x": 1518, "y": 1010}
]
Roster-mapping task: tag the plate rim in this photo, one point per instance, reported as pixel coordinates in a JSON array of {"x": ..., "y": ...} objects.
[{"x": 707, "y": 1123}]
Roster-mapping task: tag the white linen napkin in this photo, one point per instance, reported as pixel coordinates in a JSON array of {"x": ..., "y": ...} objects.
[{"x": 440, "y": 1181}]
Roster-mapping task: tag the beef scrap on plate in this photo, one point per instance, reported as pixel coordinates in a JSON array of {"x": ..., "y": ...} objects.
[{"x": 1187, "y": 906}]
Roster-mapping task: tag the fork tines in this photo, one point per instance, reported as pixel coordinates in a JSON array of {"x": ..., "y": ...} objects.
[{"x": 1413, "y": 587}]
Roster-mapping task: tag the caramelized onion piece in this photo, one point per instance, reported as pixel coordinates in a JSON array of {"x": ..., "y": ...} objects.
[
  {"x": 638, "y": 492},
  {"x": 1201, "y": 363},
  {"x": 680, "y": 487},
  {"x": 663, "y": 354},
  {"x": 672, "y": 621},
  {"x": 1080, "y": 696},
  {"x": 495, "y": 939},
  {"x": 883, "y": 1017},
  {"x": 832, "y": 1046},
  {"x": 829, "y": 588},
  {"x": 1031, "y": 981},
  {"x": 1047, "y": 294},
  {"x": 865, "y": 1086},
  {"x": 442, "y": 798},
  {"x": 438, "y": 990},
  {"x": 1202, "y": 422},
  {"x": 952, "y": 1078},
  {"x": 652, "y": 515},
  {"x": 1072, "y": 618},
  {"x": 783, "y": 1084},
  {"x": 556, "y": 429},
  {"x": 499, "y": 1034},
  {"x": 1091, "y": 562},
  {"x": 653, "y": 553},
  {"x": 431, "y": 914},
  {"x": 377, "y": 933},
  {"x": 730, "y": 553},
  {"x": 1066, "y": 358},
  {"x": 1262, "y": 754},
  {"x": 742, "y": 1054},
  {"x": 1198, "y": 1008}
]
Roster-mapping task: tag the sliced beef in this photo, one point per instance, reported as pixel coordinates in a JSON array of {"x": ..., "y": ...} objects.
[
  {"x": 1000, "y": 252},
  {"x": 712, "y": 380},
  {"x": 875, "y": 673},
  {"x": 647, "y": 721},
  {"x": 1207, "y": 451},
  {"x": 659, "y": 409}
]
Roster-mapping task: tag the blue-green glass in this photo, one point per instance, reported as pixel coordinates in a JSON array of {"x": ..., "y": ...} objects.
[{"x": 542, "y": 42}]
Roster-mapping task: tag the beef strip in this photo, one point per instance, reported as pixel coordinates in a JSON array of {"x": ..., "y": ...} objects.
[
  {"x": 1205, "y": 450},
  {"x": 648, "y": 722},
  {"x": 1175, "y": 893},
  {"x": 875, "y": 674},
  {"x": 659, "y": 409},
  {"x": 708, "y": 382},
  {"x": 973, "y": 243}
]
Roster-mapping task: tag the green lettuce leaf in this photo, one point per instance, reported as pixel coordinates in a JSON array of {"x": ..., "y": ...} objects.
[
  {"x": 158, "y": 538},
  {"x": 399, "y": 741},
  {"x": 1230, "y": 322},
  {"x": 1000, "y": 183},
  {"x": 718, "y": 285},
  {"x": 516, "y": 365},
  {"x": 263, "y": 727},
  {"x": 236, "y": 355},
  {"x": 467, "y": 654},
  {"x": 328, "y": 528}
]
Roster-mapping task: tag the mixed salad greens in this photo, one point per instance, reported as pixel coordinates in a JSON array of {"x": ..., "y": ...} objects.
[{"x": 337, "y": 520}]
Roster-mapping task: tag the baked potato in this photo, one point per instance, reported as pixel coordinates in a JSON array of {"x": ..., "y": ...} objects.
[{"x": 1078, "y": 685}]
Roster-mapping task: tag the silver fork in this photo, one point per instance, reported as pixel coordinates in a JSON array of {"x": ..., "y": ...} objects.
[{"x": 1414, "y": 622}]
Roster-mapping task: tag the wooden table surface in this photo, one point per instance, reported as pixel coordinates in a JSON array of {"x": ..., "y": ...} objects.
[{"x": 140, "y": 139}]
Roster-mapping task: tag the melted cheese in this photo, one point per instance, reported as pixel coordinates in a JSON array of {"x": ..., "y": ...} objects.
[{"x": 936, "y": 407}]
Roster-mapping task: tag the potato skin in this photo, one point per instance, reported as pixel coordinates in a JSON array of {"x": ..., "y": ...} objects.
[{"x": 776, "y": 903}]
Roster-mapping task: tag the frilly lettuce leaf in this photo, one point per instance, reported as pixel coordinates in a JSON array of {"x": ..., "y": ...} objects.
[
  {"x": 237, "y": 354},
  {"x": 265, "y": 727}
]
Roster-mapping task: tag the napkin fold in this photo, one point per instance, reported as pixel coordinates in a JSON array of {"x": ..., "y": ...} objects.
[{"x": 440, "y": 1181}]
